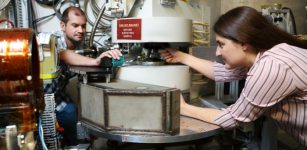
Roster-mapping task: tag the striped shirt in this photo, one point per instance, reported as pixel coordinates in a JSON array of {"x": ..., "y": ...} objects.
[{"x": 276, "y": 86}]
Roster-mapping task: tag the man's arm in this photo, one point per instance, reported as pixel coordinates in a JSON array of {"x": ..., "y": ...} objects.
[{"x": 71, "y": 58}]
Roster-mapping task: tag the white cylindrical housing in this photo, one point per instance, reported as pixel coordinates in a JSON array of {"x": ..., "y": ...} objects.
[
  {"x": 152, "y": 29},
  {"x": 174, "y": 76}
]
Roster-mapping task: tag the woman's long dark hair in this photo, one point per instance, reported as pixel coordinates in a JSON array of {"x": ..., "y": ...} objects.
[{"x": 247, "y": 25}]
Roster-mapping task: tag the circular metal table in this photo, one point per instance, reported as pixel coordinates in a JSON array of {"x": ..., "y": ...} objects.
[{"x": 190, "y": 129}]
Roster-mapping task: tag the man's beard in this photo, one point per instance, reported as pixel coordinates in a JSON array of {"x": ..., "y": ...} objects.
[{"x": 75, "y": 42}]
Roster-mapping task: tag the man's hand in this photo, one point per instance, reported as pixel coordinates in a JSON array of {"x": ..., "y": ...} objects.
[{"x": 110, "y": 54}]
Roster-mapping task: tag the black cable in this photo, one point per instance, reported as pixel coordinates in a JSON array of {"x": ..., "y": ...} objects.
[
  {"x": 8, "y": 21},
  {"x": 14, "y": 12},
  {"x": 98, "y": 43},
  {"x": 31, "y": 16},
  {"x": 42, "y": 18},
  {"x": 47, "y": 2}
]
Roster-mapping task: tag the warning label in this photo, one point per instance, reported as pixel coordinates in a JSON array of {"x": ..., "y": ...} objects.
[{"x": 129, "y": 29}]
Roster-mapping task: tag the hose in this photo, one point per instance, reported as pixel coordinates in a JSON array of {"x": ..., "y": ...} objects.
[
  {"x": 9, "y": 21},
  {"x": 292, "y": 19},
  {"x": 96, "y": 11},
  {"x": 95, "y": 25}
]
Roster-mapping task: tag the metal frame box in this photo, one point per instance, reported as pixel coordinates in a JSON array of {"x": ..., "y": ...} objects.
[{"x": 130, "y": 107}]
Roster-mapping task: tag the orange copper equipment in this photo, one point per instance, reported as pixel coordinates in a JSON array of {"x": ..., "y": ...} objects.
[{"x": 20, "y": 86}]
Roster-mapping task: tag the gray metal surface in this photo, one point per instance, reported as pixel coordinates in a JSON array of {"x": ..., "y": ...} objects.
[
  {"x": 88, "y": 69},
  {"x": 127, "y": 107},
  {"x": 190, "y": 129}
]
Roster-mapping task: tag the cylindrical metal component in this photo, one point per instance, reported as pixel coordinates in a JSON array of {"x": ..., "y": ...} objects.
[
  {"x": 18, "y": 54},
  {"x": 20, "y": 86},
  {"x": 152, "y": 30},
  {"x": 11, "y": 137},
  {"x": 219, "y": 90}
]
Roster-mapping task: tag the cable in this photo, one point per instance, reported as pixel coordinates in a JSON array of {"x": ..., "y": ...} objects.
[
  {"x": 41, "y": 133},
  {"x": 292, "y": 19},
  {"x": 47, "y": 2},
  {"x": 35, "y": 21},
  {"x": 31, "y": 16},
  {"x": 9, "y": 21},
  {"x": 42, "y": 18}
]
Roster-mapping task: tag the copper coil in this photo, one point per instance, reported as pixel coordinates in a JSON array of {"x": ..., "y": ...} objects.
[{"x": 20, "y": 87}]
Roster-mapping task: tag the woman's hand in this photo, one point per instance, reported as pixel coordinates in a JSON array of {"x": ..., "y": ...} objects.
[{"x": 172, "y": 55}]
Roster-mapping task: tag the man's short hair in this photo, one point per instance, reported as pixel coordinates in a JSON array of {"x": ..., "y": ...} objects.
[{"x": 76, "y": 10}]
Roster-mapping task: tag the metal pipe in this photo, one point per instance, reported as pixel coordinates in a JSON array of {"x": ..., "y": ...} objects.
[
  {"x": 30, "y": 15},
  {"x": 95, "y": 25}
]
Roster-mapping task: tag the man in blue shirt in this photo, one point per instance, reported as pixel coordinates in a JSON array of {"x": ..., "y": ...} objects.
[{"x": 71, "y": 37}]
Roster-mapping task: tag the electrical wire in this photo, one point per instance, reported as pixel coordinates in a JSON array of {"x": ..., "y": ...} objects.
[
  {"x": 35, "y": 21},
  {"x": 9, "y": 21},
  {"x": 31, "y": 16},
  {"x": 47, "y": 2},
  {"x": 292, "y": 19},
  {"x": 42, "y": 18},
  {"x": 41, "y": 133}
]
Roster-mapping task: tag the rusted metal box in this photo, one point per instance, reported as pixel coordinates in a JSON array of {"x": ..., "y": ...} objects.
[{"x": 130, "y": 107}]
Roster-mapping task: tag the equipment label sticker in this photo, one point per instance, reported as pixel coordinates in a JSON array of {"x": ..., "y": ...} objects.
[{"x": 129, "y": 29}]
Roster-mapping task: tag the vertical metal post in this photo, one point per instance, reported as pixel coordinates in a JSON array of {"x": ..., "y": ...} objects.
[
  {"x": 219, "y": 90},
  {"x": 234, "y": 90}
]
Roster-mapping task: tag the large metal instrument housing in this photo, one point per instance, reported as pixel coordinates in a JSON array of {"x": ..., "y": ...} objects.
[
  {"x": 152, "y": 30},
  {"x": 130, "y": 107}
]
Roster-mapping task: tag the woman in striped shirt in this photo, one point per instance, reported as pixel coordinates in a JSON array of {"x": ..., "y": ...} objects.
[{"x": 274, "y": 64}]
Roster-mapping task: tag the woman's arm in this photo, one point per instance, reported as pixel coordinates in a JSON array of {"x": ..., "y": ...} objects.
[
  {"x": 267, "y": 83},
  {"x": 204, "y": 114},
  {"x": 203, "y": 66}
]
